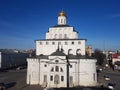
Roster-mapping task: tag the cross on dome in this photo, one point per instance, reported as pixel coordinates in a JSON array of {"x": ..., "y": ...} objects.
[{"x": 62, "y": 13}]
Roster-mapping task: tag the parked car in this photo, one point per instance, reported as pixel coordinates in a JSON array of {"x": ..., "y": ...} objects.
[
  {"x": 2, "y": 86},
  {"x": 106, "y": 78},
  {"x": 111, "y": 85},
  {"x": 19, "y": 68}
]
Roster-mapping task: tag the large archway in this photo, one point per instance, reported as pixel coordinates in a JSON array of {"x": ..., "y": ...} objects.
[
  {"x": 78, "y": 52},
  {"x": 70, "y": 51},
  {"x": 56, "y": 79}
]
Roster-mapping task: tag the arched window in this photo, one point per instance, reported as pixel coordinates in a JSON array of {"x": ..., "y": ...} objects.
[
  {"x": 70, "y": 51},
  {"x": 78, "y": 52},
  {"x": 56, "y": 68},
  {"x": 52, "y": 70},
  {"x": 61, "y": 69}
]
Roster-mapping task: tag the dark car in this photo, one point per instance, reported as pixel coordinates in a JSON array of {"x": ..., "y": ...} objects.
[{"x": 2, "y": 86}]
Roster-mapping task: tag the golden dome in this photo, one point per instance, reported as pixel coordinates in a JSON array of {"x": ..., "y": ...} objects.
[{"x": 62, "y": 13}]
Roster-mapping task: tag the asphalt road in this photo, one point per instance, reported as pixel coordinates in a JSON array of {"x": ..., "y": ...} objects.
[
  {"x": 14, "y": 80},
  {"x": 113, "y": 75},
  {"x": 114, "y": 78}
]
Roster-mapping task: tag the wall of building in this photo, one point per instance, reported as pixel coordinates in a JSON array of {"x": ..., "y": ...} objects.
[
  {"x": 88, "y": 75},
  {"x": 37, "y": 68},
  {"x": 61, "y": 33},
  {"x": 33, "y": 71},
  {"x": 47, "y": 47}
]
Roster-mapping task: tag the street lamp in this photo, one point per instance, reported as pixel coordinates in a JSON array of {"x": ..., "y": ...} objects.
[{"x": 68, "y": 64}]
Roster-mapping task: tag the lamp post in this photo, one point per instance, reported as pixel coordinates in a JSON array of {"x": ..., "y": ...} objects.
[{"x": 68, "y": 64}]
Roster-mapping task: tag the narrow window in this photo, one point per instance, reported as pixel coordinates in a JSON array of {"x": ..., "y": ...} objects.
[
  {"x": 61, "y": 69},
  {"x": 94, "y": 76},
  {"x": 57, "y": 69},
  {"x": 62, "y": 78},
  {"x": 51, "y": 78},
  {"x": 52, "y": 69}
]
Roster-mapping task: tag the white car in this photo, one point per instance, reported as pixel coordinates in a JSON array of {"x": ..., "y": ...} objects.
[
  {"x": 111, "y": 86},
  {"x": 106, "y": 78}
]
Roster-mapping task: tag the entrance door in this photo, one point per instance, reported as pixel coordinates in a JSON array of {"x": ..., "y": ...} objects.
[{"x": 56, "y": 80}]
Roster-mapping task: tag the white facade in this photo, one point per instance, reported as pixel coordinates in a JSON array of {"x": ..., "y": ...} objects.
[
  {"x": 82, "y": 72},
  {"x": 49, "y": 67},
  {"x": 61, "y": 33},
  {"x": 46, "y": 47}
]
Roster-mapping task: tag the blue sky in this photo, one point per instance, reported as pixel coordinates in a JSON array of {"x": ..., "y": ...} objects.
[{"x": 23, "y": 21}]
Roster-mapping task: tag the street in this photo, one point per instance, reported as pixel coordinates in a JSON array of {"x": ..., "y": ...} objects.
[{"x": 113, "y": 75}]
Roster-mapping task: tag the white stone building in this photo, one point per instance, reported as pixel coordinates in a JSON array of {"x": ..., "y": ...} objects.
[{"x": 61, "y": 47}]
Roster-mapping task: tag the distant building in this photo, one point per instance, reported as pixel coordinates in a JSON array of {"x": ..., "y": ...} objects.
[
  {"x": 88, "y": 50},
  {"x": 115, "y": 58},
  {"x": 60, "y": 59},
  {"x": 9, "y": 60}
]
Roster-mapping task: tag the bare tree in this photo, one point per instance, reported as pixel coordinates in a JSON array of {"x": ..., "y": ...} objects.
[{"x": 99, "y": 56}]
